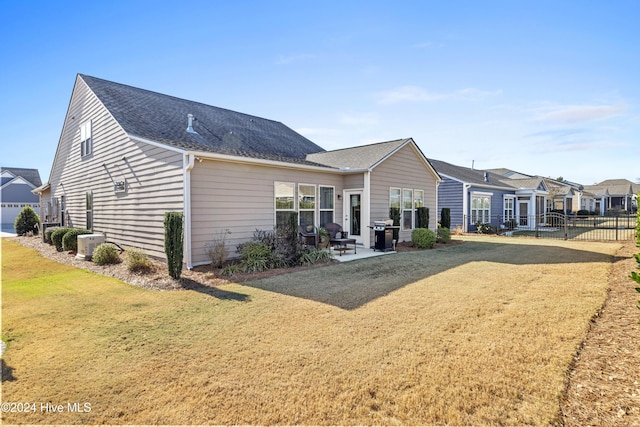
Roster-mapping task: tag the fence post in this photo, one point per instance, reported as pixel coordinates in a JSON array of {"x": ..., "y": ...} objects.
[
  {"x": 617, "y": 217},
  {"x": 565, "y": 219}
]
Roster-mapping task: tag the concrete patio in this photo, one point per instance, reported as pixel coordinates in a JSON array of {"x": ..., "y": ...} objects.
[{"x": 362, "y": 253}]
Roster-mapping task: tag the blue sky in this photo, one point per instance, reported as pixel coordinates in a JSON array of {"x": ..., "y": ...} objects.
[{"x": 542, "y": 87}]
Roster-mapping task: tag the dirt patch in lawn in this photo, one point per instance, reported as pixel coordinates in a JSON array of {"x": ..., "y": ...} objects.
[{"x": 604, "y": 384}]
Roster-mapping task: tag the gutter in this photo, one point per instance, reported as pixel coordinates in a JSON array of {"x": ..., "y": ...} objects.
[{"x": 188, "y": 162}]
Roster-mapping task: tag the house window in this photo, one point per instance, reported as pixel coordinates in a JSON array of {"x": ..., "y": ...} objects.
[
  {"x": 285, "y": 202},
  {"x": 89, "y": 210},
  {"x": 307, "y": 205},
  {"x": 86, "y": 142},
  {"x": 407, "y": 209},
  {"x": 509, "y": 208},
  {"x": 480, "y": 209},
  {"x": 326, "y": 205}
]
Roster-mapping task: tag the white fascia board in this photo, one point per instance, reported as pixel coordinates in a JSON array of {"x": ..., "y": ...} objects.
[
  {"x": 273, "y": 163},
  {"x": 156, "y": 144}
]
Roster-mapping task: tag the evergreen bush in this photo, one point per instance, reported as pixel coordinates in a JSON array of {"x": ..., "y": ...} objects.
[
  {"x": 57, "y": 235},
  {"x": 47, "y": 234},
  {"x": 104, "y": 254},
  {"x": 423, "y": 238},
  {"x": 444, "y": 235},
  {"x": 173, "y": 243},
  {"x": 26, "y": 221},
  {"x": 445, "y": 218},
  {"x": 70, "y": 239},
  {"x": 423, "y": 217},
  {"x": 394, "y": 214}
]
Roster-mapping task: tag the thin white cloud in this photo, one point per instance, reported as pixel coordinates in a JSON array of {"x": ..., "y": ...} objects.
[
  {"x": 427, "y": 45},
  {"x": 579, "y": 113},
  {"x": 413, "y": 94}
]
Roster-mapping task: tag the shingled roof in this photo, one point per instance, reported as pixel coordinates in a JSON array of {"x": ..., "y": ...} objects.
[
  {"x": 470, "y": 176},
  {"x": 163, "y": 118},
  {"x": 31, "y": 175},
  {"x": 361, "y": 157}
]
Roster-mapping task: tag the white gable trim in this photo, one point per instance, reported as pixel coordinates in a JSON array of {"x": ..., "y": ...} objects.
[
  {"x": 19, "y": 181},
  {"x": 418, "y": 153}
]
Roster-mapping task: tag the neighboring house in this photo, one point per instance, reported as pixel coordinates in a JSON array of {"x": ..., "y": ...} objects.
[
  {"x": 127, "y": 155},
  {"x": 618, "y": 195},
  {"x": 487, "y": 197},
  {"x": 16, "y": 185}
]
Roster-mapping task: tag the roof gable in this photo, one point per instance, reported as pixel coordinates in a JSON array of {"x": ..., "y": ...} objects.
[
  {"x": 32, "y": 176},
  {"x": 163, "y": 118},
  {"x": 361, "y": 157},
  {"x": 471, "y": 176}
]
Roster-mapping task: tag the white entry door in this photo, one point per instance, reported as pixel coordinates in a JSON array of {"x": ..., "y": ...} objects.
[
  {"x": 353, "y": 215},
  {"x": 523, "y": 213}
]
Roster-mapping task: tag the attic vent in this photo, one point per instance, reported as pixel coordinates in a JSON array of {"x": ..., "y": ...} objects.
[{"x": 190, "y": 124}]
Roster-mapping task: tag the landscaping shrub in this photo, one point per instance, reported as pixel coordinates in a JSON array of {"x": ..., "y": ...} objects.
[
  {"x": 444, "y": 235},
  {"x": 423, "y": 238},
  {"x": 255, "y": 256},
  {"x": 634, "y": 275},
  {"x": 485, "y": 228},
  {"x": 47, "y": 234},
  {"x": 70, "y": 239},
  {"x": 136, "y": 260},
  {"x": 217, "y": 250},
  {"x": 583, "y": 213},
  {"x": 106, "y": 253},
  {"x": 173, "y": 243},
  {"x": 26, "y": 221},
  {"x": 289, "y": 243},
  {"x": 312, "y": 256},
  {"x": 445, "y": 218},
  {"x": 394, "y": 214},
  {"x": 57, "y": 235},
  {"x": 423, "y": 217}
]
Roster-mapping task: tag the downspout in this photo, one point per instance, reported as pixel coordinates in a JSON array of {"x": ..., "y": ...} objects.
[
  {"x": 189, "y": 162},
  {"x": 367, "y": 212},
  {"x": 465, "y": 207},
  {"x": 436, "y": 212}
]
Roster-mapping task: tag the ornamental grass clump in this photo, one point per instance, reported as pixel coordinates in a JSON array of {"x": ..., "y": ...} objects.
[
  {"x": 137, "y": 260},
  {"x": 423, "y": 238},
  {"x": 106, "y": 253}
]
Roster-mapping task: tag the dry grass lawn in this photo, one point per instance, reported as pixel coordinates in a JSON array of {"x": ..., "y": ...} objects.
[{"x": 479, "y": 333}]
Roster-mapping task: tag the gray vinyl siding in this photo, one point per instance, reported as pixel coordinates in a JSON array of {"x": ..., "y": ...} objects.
[
  {"x": 404, "y": 169},
  {"x": 451, "y": 195},
  {"x": 354, "y": 181},
  {"x": 241, "y": 198},
  {"x": 154, "y": 177}
]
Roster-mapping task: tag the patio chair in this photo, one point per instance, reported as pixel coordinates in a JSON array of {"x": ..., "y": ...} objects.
[{"x": 310, "y": 235}]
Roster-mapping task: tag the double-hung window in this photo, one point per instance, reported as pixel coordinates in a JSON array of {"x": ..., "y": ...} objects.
[
  {"x": 480, "y": 208},
  {"x": 326, "y": 205},
  {"x": 418, "y": 196},
  {"x": 407, "y": 209},
  {"x": 86, "y": 141},
  {"x": 509, "y": 208},
  {"x": 307, "y": 205},
  {"x": 285, "y": 202}
]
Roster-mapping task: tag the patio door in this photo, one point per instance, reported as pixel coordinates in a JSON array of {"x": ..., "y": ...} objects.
[
  {"x": 523, "y": 215},
  {"x": 353, "y": 215}
]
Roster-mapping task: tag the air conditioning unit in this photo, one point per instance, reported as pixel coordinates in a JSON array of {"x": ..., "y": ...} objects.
[{"x": 87, "y": 244}]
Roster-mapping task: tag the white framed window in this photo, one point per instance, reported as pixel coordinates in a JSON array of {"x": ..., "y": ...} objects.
[
  {"x": 407, "y": 209},
  {"x": 480, "y": 208},
  {"x": 307, "y": 205},
  {"x": 285, "y": 202},
  {"x": 86, "y": 140},
  {"x": 327, "y": 203},
  {"x": 509, "y": 208},
  {"x": 89, "y": 209}
]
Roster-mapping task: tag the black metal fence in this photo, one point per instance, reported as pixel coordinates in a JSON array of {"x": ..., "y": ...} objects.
[{"x": 553, "y": 225}]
